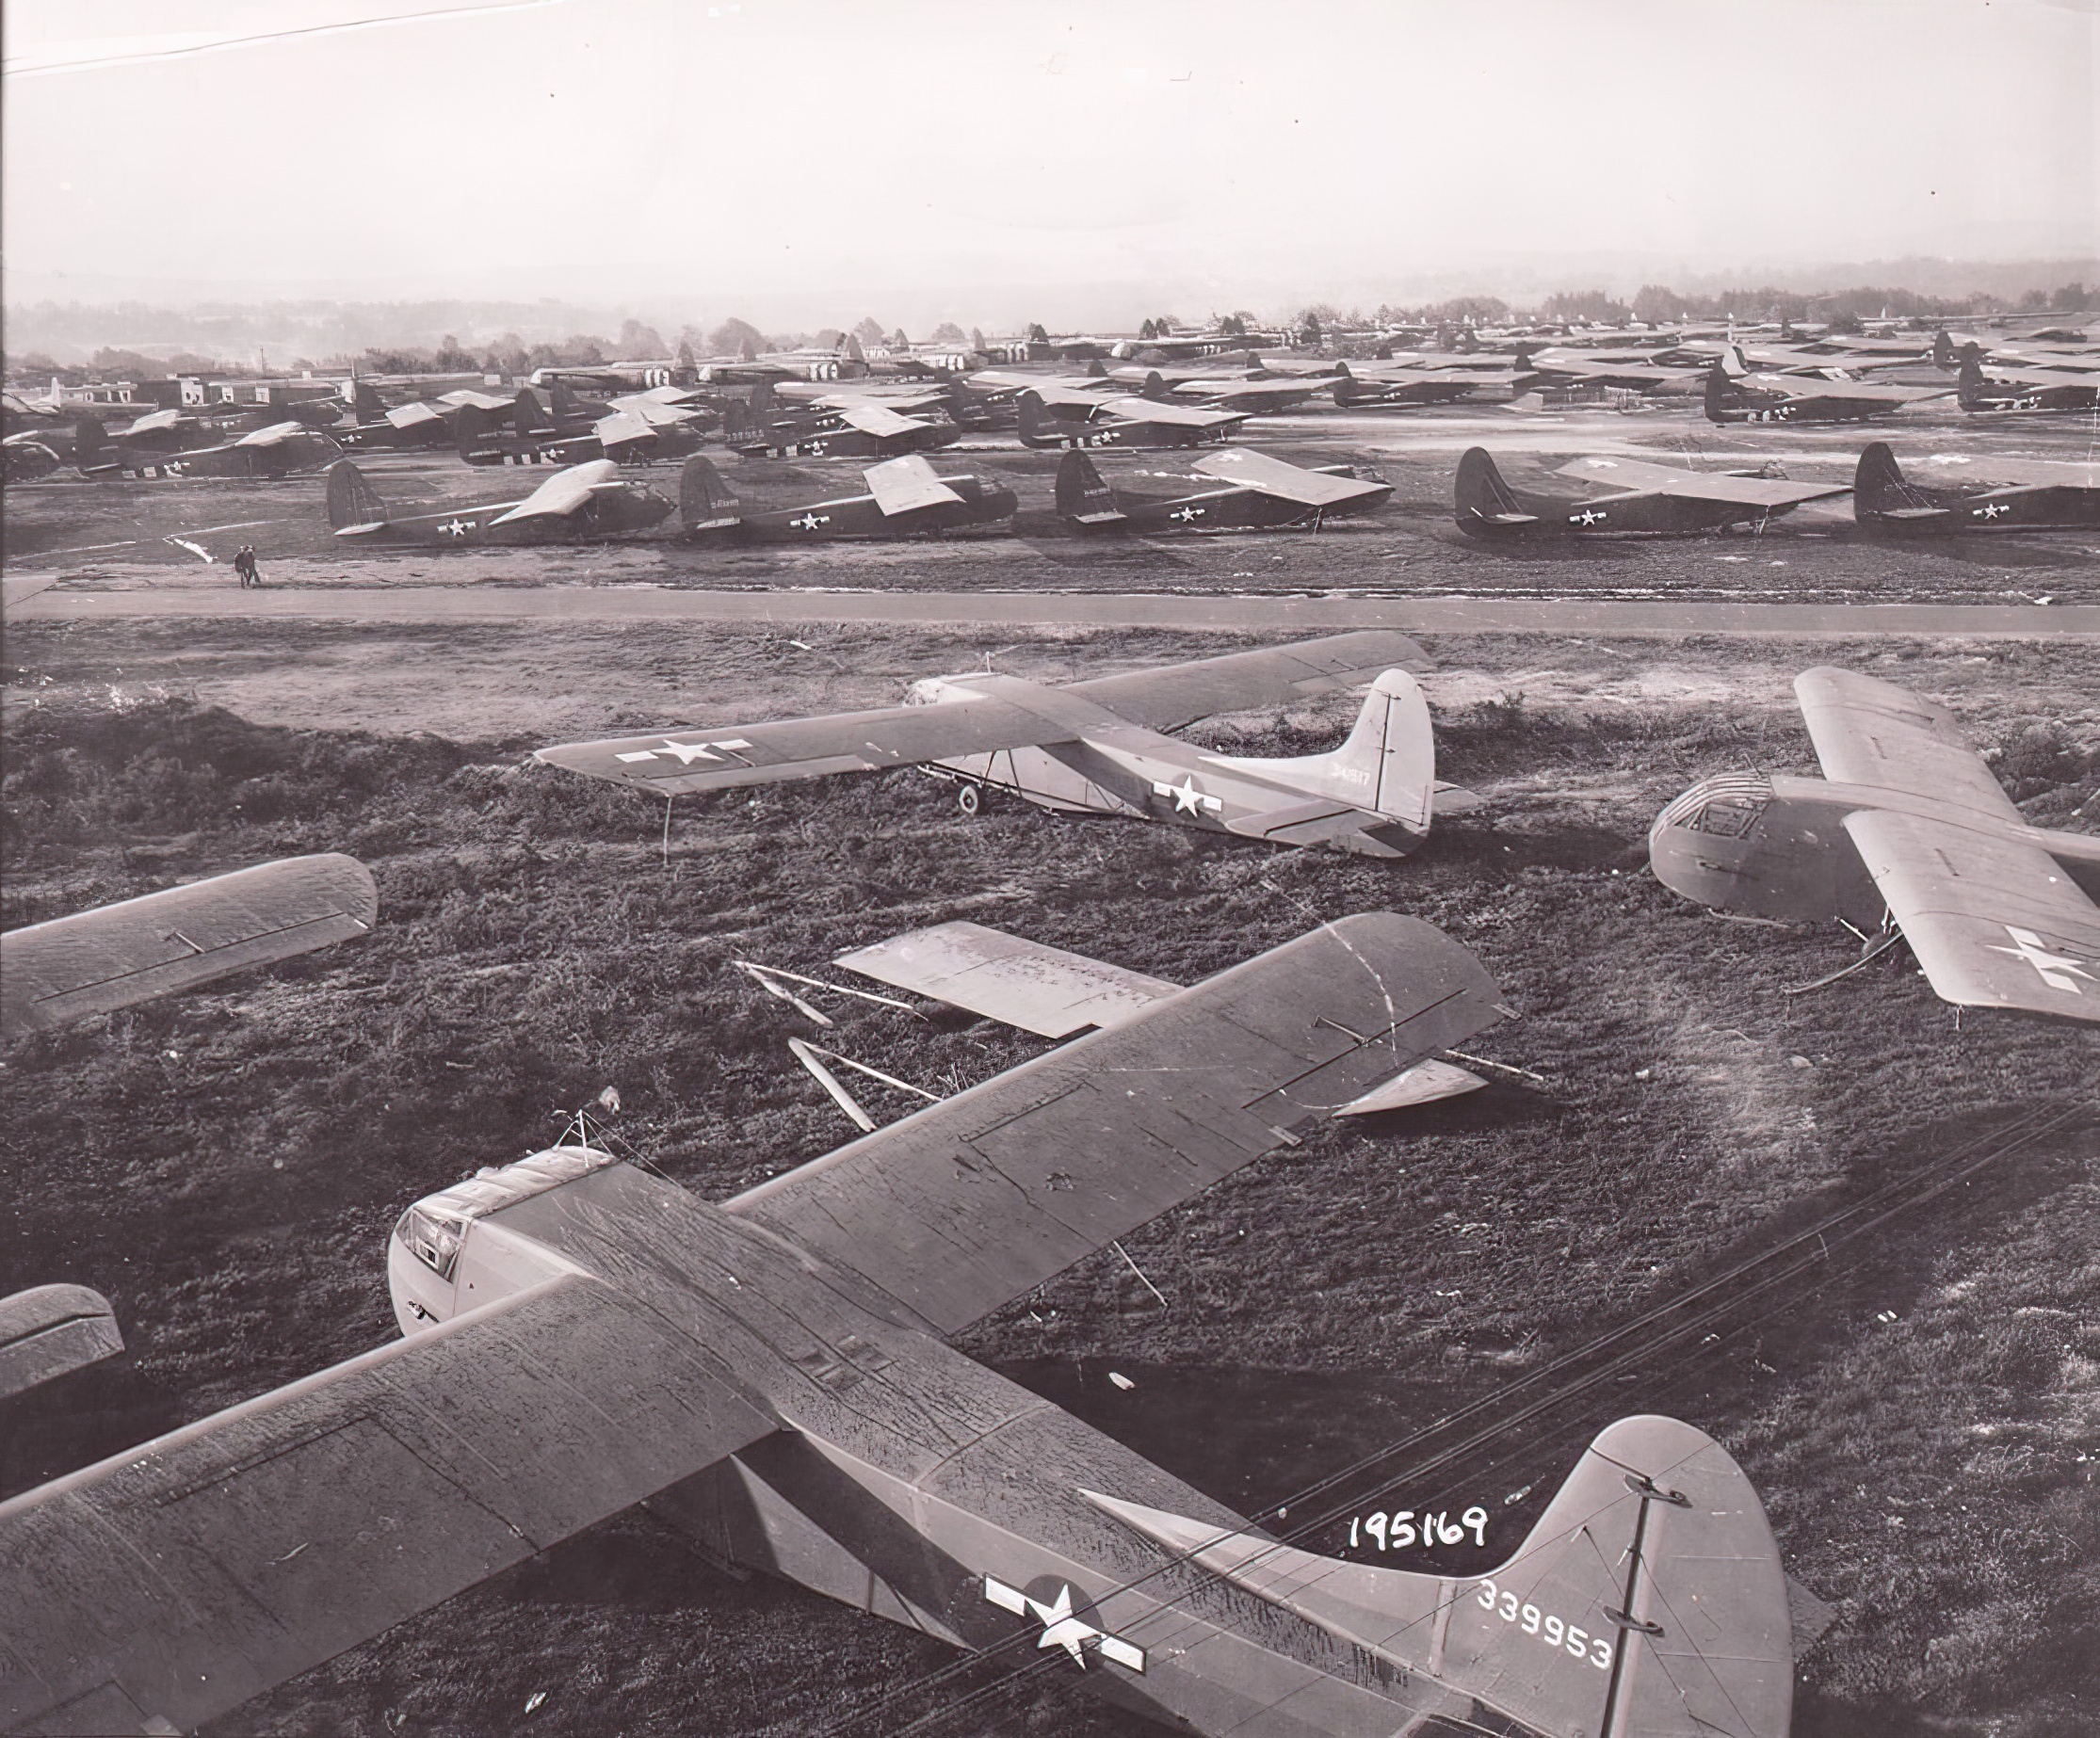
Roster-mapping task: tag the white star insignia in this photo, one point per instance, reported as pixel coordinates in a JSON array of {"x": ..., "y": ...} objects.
[
  {"x": 685, "y": 753},
  {"x": 1993, "y": 510},
  {"x": 2058, "y": 971},
  {"x": 456, "y": 527},
  {"x": 1187, "y": 798},
  {"x": 1187, "y": 513},
  {"x": 1587, "y": 517},
  {"x": 1061, "y": 1628},
  {"x": 808, "y": 522}
]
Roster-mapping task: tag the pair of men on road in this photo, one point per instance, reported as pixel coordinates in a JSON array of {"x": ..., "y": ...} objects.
[{"x": 244, "y": 564}]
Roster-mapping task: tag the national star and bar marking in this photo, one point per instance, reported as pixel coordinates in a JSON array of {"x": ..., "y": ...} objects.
[
  {"x": 1061, "y": 1628},
  {"x": 1187, "y": 798},
  {"x": 685, "y": 753},
  {"x": 2058, "y": 971}
]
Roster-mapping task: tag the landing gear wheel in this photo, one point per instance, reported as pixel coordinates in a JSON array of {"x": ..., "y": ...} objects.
[{"x": 970, "y": 798}]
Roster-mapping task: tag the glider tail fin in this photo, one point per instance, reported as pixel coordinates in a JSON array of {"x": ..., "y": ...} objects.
[
  {"x": 1648, "y": 1599},
  {"x": 1154, "y": 387},
  {"x": 90, "y": 442},
  {"x": 470, "y": 430},
  {"x": 1721, "y": 393},
  {"x": 1942, "y": 350},
  {"x": 1881, "y": 496},
  {"x": 1083, "y": 494},
  {"x": 1481, "y": 498},
  {"x": 1029, "y": 408},
  {"x": 365, "y": 403},
  {"x": 1968, "y": 389},
  {"x": 352, "y": 502},
  {"x": 705, "y": 500},
  {"x": 1387, "y": 767},
  {"x": 526, "y": 415}
]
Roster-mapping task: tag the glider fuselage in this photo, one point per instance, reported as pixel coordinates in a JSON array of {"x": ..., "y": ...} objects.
[
  {"x": 907, "y": 1480},
  {"x": 1776, "y": 847}
]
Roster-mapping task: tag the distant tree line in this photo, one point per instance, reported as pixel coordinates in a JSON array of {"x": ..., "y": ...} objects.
[{"x": 512, "y": 354}]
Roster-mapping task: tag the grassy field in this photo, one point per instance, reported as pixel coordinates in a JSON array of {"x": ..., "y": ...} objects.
[{"x": 1918, "y": 1411}]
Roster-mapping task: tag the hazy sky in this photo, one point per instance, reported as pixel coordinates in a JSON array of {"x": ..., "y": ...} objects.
[{"x": 952, "y": 156}]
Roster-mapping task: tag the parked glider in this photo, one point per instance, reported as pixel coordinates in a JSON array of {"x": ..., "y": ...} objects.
[
  {"x": 1631, "y": 495},
  {"x": 1096, "y": 748},
  {"x": 855, "y": 428},
  {"x": 528, "y": 434},
  {"x": 586, "y": 501},
  {"x": 1250, "y": 490},
  {"x": 283, "y": 450},
  {"x": 774, "y": 1375},
  {"x": 1979, "y": 493},
  {"x": 2001, "y": 387},
  {"x": 1734, "y": 394},
  {"x": 906, "y": 498},
  {"x": 1360, "y": 388},
  {"x": 1123, "y": 422},
  {"x": 1908, "y": 828}
]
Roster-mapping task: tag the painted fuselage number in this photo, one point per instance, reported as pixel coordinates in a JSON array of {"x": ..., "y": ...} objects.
[
  {"x": 1398, "y": 1529},
  {"x": 1579, "y": 1643}
]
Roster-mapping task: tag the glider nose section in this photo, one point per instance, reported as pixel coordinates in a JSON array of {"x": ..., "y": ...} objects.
[{"x": 1705, "y": 842}]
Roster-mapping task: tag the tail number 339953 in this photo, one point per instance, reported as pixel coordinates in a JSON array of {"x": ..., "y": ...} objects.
[{"x": 1555, "y": 1633}]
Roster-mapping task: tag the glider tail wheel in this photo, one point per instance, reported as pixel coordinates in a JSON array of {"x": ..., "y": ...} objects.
[{"x": 970, "y": 798}]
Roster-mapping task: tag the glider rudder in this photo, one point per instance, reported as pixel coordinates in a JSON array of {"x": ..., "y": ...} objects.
[
  {"x": 705, "y": 500},
  {"x": 1082, "y": 491},
  {"x": 1387, "y": 765},
  {"x": 351, "y": 499},
  {"x": 1482, "y": 500}
]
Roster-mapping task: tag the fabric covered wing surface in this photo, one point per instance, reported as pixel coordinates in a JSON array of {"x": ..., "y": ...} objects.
[
  {"x": 1994, "y": 922},
  {"x": 122, "y": 954},
  {"x": 974, "y": 1202},
  {"x": 1868, "y": 731},
  {"x": 182, "y": 1577},
  {"x": 1638, "y": 478},
  {"x": 1165, "y": 699},
  {"x": 733, "y": 754},
  {"x": 1273, "y": 476}
]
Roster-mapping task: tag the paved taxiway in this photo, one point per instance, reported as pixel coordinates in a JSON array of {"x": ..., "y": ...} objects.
[{"x": 1308, "y": 615}]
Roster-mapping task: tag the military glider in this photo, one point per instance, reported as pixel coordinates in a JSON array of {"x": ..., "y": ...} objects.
[
  {"x": 1253, "y": 395},
  {"x": 1123, "y": 422},
  {"x": 584, "y": 502},
  {"x": 283, "y": 450},
  {"x": 1734, "y": 394},
  {"x": 1097, "y": 746},
  {"x": 1401, "y": 389},
  {"x": 2007, "y": 388},
  {"x": 1908, "y": 828},
  {"x": 846, "y": 429},
  {"x": 1629, "y": 495},
  {"x": 1243, "y": 489},
  {"x": 534, "y": 436},
  {"x": 906, "y": 497},
  {"x": 2020, "y": 494},
  {"x": 774, "y": 1376}
]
